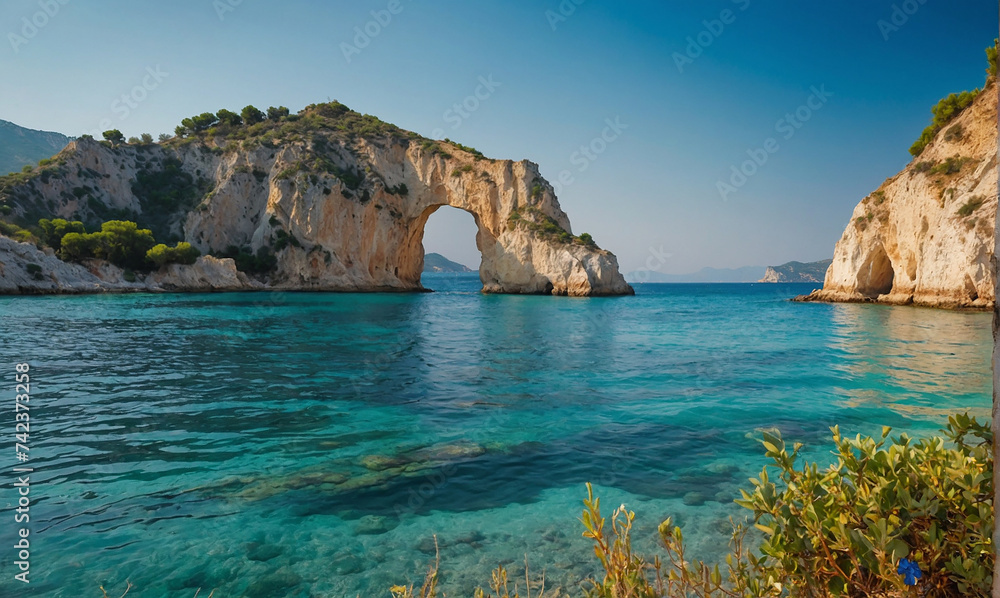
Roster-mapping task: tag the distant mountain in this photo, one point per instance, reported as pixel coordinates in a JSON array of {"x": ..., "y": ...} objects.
[
  {"x": 744, "y": 274},
  {"x": 797, "y": 272},
  {"x": 435, "y": 262},
  {"x": 20, "y": 147}
]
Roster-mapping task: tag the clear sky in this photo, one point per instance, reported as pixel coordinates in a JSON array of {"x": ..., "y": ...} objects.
[{"x": 556, "y": 72}]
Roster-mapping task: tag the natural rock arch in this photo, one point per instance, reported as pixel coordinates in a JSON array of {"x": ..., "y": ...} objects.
[
  {"x": 347, "y": 213},
  {"x": 511, "y": 204}
]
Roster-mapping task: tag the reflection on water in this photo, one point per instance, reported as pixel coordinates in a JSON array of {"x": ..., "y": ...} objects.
[{"x": 902, "y": 359}]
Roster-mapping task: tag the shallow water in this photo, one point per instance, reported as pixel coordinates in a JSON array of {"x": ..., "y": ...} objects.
[{"x": 314, "y": 444}]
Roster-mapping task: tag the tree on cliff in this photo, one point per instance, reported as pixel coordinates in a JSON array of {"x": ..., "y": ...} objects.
[
  {"x": 228, "y": 117},
  {"x": 114, "y": 136},
  {"x": 276, "y": 113},
  {"x": 251, "y": 115}
]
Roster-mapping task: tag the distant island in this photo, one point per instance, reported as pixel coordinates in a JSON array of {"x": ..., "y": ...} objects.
[
  {"x": 20, "y": 147},
  {"x": 797, "y": 272},
  {"x": 435, "y": 262}
]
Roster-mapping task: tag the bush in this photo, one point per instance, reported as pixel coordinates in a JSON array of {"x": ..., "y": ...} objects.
[
  {"x": 228, "y": 117},
  {"x": 952, "y": 165},
  {"x": 886, "y": 510},
  {"x": 251, "y": 115},
  {"x": 78, "y": 246},
  {"x": 114, "y": 137},
  {"x": 21, "y": 235},
  {"x": 165, "y": 191},
  {"x": 54, "y": 230},
  {"x": 121, "y": 242},
  {"x": 969, "y": 207},
  {"x": 262, "y": 262},
  {"x": 991, "y": 59},
  {"x": 276, "y": 114},
  {"x": 183, "y": 253},
  {"x": 199, "y": 123}
]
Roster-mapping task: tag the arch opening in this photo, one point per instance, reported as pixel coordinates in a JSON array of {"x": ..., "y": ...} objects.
[{"x": 446, "y": 241}]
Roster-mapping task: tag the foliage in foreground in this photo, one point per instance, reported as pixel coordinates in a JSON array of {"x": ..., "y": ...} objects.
[{"x": 887, "y": 507}]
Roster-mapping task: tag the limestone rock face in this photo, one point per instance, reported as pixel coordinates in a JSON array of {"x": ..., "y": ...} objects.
[
  {"x": 25, "y": 270},
  {"x": 926, "y": 236},
  {"x": 354, "y": 224}
]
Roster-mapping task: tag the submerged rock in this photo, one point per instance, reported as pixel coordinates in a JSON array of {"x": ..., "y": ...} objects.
[
  {"x": 694, "y": 499},
  {"x": 375, "y": 524},
  {"x": 261, "y": 552},
  {"x": 274, "y": 585}
]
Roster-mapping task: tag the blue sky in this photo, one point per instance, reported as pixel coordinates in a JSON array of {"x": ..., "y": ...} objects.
[{"x": 558, "y": 72}]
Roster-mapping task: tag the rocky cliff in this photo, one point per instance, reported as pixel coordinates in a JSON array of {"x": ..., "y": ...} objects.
[
  {"x": 339, "y": 199},
  {"x": 797, "y": 272},
  {"x": 926, "y": 235}
]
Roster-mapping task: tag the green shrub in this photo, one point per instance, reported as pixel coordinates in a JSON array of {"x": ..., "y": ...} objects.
[
  {"x": 262, "y": 262},
  {"x": 228, "y": 117},
  {"x": 276, "y": 114},
  {"x": 121, "y": 242},
  {"x": 950, "y": 166},
  {"x": 954, "y": 134},
  {"x": 114, "y": 137},
  {"x": 991, "y": 59},
  {"x": 533, "y": 219},
  {"x": 78, "y": 246},
  {"x": 944, "y": 112},
  {"x": 478, "y": 155},
  {"x": 165, "y": 192},
  {"x": 35, "y": 270},
  {"x": 182, "y": 253},
  {"x": 251, "y": 115},
  {"x": 54, "y": 230},
  {"x": 21, "y": 235},
  {"x": 969, "y": 207}
]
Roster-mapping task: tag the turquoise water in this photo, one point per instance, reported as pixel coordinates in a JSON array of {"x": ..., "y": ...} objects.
[{"x": 314, "y": 444}]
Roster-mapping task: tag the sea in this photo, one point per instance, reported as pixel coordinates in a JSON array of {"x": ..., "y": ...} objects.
[{"x": 335, "y": 445}]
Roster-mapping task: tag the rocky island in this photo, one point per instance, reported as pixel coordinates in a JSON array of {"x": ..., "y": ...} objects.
[
  {"x": 797, "y": 272},
  {"x": 926, "y": 236},
  {"x": 326, "y": 200}
]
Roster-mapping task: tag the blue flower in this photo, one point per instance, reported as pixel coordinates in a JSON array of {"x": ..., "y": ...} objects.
[{"x": 910, "y": 571}]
